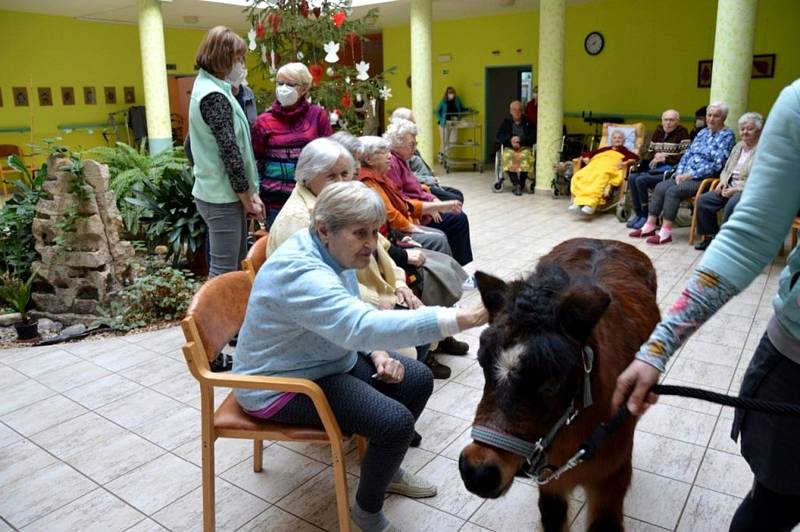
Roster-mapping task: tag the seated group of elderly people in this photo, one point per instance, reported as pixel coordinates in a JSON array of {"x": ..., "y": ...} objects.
[
  {"x": 712, "y": 153},
  {"x": 331, "y": 303}
]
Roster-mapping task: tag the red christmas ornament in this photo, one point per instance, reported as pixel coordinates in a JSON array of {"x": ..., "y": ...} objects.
[
  {"x": 317, "y": 72},
  {"x": 260, "y": 30},
  {"x": 317, "y": 12},
  {"x": 346, "y": 100},
  {"x": 304, "y": 9},
  {"x": 274, "y": 21},
  {"x": 338, "y": 18}
]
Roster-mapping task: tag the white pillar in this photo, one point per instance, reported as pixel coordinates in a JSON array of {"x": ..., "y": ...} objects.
[
  {"x": 421, "y": 75},
  {"x": 551, "y": 89},
  {"x": 733, "y": 55},
  {"x": 154, "y": 75}
]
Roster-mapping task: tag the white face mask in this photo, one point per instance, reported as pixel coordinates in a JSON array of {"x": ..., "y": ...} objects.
[
  {"x": 286, "y": 95},
  {"x": 699, "y": 122},
  {"x": 237, "y": 75}
]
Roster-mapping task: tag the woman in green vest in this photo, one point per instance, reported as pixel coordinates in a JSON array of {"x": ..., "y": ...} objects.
[{"x": 225, "y": 175}]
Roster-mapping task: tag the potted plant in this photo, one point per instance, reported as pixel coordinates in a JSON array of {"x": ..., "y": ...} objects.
[{"x": 17, "y": 293}]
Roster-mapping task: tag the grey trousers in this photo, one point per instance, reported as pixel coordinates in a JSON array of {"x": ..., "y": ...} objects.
[
  {"x": 707, "y": 207},
  {"x": 433, "y": 239},
  {"x": 667, "y": 197},
  {"x": 227, "y": 235}
]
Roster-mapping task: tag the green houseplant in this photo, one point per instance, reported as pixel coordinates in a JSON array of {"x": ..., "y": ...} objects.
[{"x": 17, "y": 294}]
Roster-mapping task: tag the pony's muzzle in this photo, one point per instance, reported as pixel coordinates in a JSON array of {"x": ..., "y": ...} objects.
[{"x": 485, "y": 472}]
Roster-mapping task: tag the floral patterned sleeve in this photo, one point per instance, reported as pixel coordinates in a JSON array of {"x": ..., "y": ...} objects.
[{"x": 705, "y": 294}]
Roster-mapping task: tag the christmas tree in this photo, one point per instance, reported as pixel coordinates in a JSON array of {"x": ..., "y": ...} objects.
[{"x": 315, "y": 32}]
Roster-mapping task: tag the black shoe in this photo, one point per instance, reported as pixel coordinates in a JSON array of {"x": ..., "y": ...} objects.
[
  {"x": 704, "y": 244},
  {"x": 517, "y": 190},
  {"x": 451, "y": 346},
  {"x": 222, "y": 363},
  {"x": 234, "y": 341},
  {"x": 416, "y": 440},
  {"x": 440, "y": 371}
]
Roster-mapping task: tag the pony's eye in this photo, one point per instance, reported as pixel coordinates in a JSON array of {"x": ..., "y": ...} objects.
[{"x": 549, "y": 389}]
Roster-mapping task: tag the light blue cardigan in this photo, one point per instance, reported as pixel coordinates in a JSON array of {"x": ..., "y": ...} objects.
[{"x": 304, "y": 319}]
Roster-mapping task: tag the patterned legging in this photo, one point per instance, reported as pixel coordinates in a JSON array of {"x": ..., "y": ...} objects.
[
  {"x": 383, "y": 413},
  {"x": 668, "y": 195}
]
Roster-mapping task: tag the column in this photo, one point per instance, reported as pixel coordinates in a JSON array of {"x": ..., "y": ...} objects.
[
  {"x": 421, "y": 75},
  {"x": 154, "y": 75},
  {"x": 551, "y": 95},
  {"x": 733, "y": 55}
]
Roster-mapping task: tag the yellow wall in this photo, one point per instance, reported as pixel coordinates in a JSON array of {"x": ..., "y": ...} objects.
[
  {"x": 649, "y": 62},
  {"x": 50, "y": 51}
]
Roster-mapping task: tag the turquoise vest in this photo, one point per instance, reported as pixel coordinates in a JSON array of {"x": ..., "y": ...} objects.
[{"x": 211, "y": 182}]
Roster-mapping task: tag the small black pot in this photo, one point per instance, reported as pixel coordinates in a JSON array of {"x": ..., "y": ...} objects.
[{"x": 27, "y": 331}]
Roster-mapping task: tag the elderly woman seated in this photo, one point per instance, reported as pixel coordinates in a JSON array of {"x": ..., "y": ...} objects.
[
  {"x": 401, "y": 135},
  {"x": 705, "y": 158},
  {"x": 304, "y": 319},
  {"x": 604, "y": 167},
  {"x": 517, "y": 130},
  {"x": 381, "y": 284},
  {"x": 731, "y": 181}
]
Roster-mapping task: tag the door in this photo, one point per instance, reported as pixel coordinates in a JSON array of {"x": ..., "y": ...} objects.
[
  {"x": 180, "y": 92},
  {"x": 503, "y": 85}
]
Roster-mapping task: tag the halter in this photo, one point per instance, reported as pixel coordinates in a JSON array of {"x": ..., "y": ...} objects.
[{"x": 535, "y": 453}]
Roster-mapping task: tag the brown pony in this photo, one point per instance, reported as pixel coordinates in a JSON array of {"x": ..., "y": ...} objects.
[{"x": 591, "y": 293}]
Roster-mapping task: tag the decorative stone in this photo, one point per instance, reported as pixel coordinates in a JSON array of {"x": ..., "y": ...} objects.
[
  {"x": 72, "y": 330},
  {"x": 7, "y": 320},
  {"x": 48, "y": 325},
  {"x": 75, "y": 279}
]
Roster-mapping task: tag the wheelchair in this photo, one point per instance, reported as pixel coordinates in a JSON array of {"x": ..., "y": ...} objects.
[{"x": 498, "y": 185}]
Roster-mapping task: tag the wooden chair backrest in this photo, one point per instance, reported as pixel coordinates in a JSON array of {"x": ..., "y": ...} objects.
[
  {"x": 217, "y": 310},
  {"x": 9, "y": 149},
  {"x": 258, "y": 253}
]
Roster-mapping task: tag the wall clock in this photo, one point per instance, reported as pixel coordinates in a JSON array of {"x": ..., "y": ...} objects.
[{"x": 594, "y": 43}]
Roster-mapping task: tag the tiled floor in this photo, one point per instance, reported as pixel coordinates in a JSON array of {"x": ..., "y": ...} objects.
[{"x": 104, "y": 435}]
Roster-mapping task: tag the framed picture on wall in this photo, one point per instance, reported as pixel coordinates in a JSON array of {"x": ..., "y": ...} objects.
[
  {"x": 89, "y": 96},
  {"x": 20, "y": 95},
  {"x": 67, "y": 96},
  {"x": 129, "y": 94},
  {"x": 111, "y": 94},
  {"x": 704, "y": 73},
  {"x": 763, "y": 66},
  {"x": 45, "y": 96}
]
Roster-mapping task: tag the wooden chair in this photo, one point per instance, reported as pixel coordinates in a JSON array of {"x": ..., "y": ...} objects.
[
  {"x": 256, "y": 257},
  {"x": 214, "y": 317},
  {"x": 706, "y": 185},
  {"x": 6, "y": 183},
  {"x": 793, "y": 232}
]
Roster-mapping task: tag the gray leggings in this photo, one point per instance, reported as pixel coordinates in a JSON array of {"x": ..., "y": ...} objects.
[
  {"x": 667, "y": 197},
  {"x": 384, "y": 413},
  {"x": 433, "y": 239},
  {"x": 227, "y": 235}
]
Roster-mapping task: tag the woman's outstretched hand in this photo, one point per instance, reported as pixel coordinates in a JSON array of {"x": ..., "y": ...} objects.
[
  {"x": 387, "y": 369},
  {"x": 634, "y": 386}
]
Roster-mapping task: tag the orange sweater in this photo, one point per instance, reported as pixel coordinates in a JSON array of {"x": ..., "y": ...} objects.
[{"x": 401, "y": 213}]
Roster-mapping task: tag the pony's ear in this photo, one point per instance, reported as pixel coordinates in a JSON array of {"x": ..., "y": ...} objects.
[
  {"x": 493, "y": 292},
  {"x": 582, "y": 306}
]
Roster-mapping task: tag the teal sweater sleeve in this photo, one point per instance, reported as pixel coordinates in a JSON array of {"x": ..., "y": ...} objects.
[{"x": 751, "y": 237}]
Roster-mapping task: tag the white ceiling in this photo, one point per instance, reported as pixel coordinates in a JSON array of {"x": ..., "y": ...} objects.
[{"x": 211, "y": 14}]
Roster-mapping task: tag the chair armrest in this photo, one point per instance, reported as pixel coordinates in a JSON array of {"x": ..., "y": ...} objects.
[
  {"x": 577, "y": 164},
  {"x": 706, "y": 185}
]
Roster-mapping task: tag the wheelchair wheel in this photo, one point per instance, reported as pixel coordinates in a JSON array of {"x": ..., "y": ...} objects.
[
  {"x": 622, "y": 213},
  {"x": 532, "y": 187},
  {"x": 497, "y": 186}
]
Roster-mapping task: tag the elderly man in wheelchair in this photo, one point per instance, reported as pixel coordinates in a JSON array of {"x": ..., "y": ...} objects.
[{"x": 517, "y": 138}]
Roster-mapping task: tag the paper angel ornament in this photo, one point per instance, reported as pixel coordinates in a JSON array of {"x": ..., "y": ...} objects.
[
  {"x": 330, "y": 72},
  {"x": 251, "y": 36},
  {"x": 334, "y": 117},
  {"x": 347, "y": 79},
  {"x": 362, "y": 68},
  {"x": 300, "y": 56},
  {"x": 331, "y": 49},
  {"x": 316, "y": 4}
]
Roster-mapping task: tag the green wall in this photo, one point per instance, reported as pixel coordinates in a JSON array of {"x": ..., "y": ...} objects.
[
  {"x": 649, "y": 62},
  {"x": 55, "y": 52}
]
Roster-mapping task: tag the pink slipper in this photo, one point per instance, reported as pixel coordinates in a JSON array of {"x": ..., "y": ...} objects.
[
  {"x": 657, "y": 240},
  {"x": 637, "y": 233}
]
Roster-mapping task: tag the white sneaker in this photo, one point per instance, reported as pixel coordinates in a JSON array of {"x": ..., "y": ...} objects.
[
  {"x": 412, "y": 486},
  {"x": 573, "y": 208},
  {"x": 469, "y": 283},
  {"x": 587, "y": 209}
]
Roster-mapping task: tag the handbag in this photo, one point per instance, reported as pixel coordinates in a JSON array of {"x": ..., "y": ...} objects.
[{"x": 442, "y": 279}]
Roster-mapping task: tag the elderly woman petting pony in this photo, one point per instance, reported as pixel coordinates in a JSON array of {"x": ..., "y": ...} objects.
[
  {"x": 606, "y": 166},
  {"x": 728, "y": 191},
  {"x": 402, "y": 137},
  {"x": 705, "y": 158},
  {"x": 304, "y": 319}
]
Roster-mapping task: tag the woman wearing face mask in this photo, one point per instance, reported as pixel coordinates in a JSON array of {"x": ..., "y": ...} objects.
[
  {"x": 280, "y": 134},
  {"x": 225, "y": 173},
  {"x": 449, "y": 108}
]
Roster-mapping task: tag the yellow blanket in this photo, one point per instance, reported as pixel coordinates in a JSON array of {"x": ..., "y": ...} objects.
[{"x": 589, "y": 182}]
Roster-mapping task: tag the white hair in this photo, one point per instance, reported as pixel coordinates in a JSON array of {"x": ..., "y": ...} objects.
[
  {"x": 677, "y": 114},
  {"x": 507, "y": 363},
  {"x": 722, "y": 107},
  {"x": 296, "y": 73},
  {"x": 398, "y": 130},
  {"x": 403, "y": 113},
  {"x": 347, "y": 203},
  {"x": 350, "y": 142},
  {"x": 373, "y": 145},
  {"x": 318, "y": 157},
  {"x": 755, "y": 118}
]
